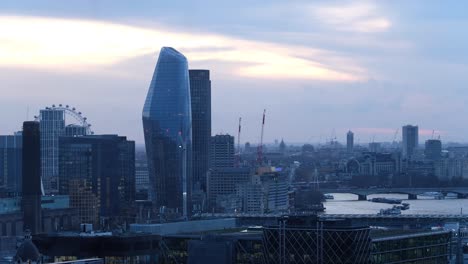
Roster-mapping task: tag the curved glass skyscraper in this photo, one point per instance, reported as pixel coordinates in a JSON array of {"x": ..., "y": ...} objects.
[{"x": 167, "y": 125}]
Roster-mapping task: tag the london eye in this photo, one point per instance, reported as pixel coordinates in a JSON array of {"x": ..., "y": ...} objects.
[{"x": 72, "y": 117}]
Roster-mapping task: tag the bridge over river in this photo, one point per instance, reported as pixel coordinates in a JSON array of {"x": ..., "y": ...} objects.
[{"x": 462, "y": 192}]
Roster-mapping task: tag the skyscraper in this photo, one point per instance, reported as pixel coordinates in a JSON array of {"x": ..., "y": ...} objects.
[
  {"x": 31, "y": 198},
  {"x": 410, "y": 140},
  {"x": 200, "y": 93},
  {"x": 222, "y": 151},
  {"x": 11, "y": 149},
  {"x": 350, "y": 141},
  {"x": 53, "y": 125},
  {"x": 167, "y": 126}
]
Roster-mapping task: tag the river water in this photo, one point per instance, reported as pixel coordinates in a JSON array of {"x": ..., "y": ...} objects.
[{"x": 348, "y": 204}]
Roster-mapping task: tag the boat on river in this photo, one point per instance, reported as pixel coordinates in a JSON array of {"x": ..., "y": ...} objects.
[{"x": 386, "y": 200}]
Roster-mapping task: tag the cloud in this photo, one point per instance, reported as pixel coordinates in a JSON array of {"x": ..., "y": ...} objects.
[
  {"x": 356, "y": 16},
  {"x": 86, "y": 45}
]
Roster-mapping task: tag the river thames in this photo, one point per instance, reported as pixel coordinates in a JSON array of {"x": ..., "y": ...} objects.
[{"x": 348, "y": 204}]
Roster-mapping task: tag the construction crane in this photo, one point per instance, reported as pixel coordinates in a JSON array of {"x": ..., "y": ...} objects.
[
  {"x": 260, "y": 146},
  {"x": 238, "y": 144},
  {"x": 238, "y": 136},
  {"x": 395, "y": 136}
]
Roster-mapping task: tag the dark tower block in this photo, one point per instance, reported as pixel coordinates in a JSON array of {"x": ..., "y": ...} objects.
[
  {"x": 200, "y": 94},
  {"x": 31, "y": 201}
]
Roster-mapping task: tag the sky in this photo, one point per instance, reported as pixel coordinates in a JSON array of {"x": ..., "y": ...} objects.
[{"x": 319, "y": 68}]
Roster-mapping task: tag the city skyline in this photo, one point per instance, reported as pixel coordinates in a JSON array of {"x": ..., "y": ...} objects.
[{"x": 386, "y": 74}]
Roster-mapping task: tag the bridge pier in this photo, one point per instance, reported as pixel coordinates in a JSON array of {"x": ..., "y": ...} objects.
[
  {"x": 362, "y": 197},
  {"x": 412, "y": 196}
]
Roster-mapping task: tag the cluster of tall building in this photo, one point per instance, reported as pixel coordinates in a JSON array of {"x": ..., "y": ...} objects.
[
  {"x": 189, "y": 170},
  {"x": 95, "y": 174},
  {"x": 408, "y": 164}
]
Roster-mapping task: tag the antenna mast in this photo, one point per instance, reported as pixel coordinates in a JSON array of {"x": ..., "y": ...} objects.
[
  {"x": 238, "y": 144},
  {"x": 260, "y": 147}
]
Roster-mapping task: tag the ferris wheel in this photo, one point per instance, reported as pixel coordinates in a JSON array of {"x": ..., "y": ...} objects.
[{"x": 71, "y": 116}]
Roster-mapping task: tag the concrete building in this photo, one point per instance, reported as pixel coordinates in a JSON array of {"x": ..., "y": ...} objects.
[
  {"x": 223, "y": 182},
  {"x": 266, "y": 192},
  {"x": 448, "y": 169},
  {"x": 222, "y": 151},
  {"x": 433, "y": 150},
  {"x": 410, "y": 140}
]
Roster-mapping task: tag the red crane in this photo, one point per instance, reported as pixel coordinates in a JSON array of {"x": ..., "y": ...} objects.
[{"x": 260, "y": 146}]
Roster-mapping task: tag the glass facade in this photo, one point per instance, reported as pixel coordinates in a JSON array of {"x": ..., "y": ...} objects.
[
  {"x": 11, "y": 149},
  {"x": 200, "y": 92},
  {"x": 52, "y": 126},
  {"x": 420, "y": 248},
  {"x": 98, "y": 172},
  {"x": 167, "y": 124}
]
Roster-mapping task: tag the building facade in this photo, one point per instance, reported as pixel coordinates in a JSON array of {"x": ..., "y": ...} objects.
[
  {"x": 222, "y": 182},
  {"x": 200, "y": 94},
  {"x": 410, "y": 140},
  {"x": 167, "y": 126},
  {"x": 141, "y": 175},
  {"x": 98, "y": 172},
  {"x": 433, "y": 150},
  {"x": 31, "y": 183},
  {"x": 11, "y": 148},
  {"x": 222, "y": 151},
  {"x": 52, "y": 127},
  {"x": 350, "y": 141}
]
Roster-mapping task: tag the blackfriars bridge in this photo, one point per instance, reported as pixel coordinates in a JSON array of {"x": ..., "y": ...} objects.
[{"x": 462, "y": 192}]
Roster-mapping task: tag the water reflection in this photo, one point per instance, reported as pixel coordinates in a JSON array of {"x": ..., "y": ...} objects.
[{"x": 349, "y": 204}]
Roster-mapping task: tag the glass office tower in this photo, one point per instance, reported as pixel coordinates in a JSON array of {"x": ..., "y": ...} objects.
[
  {"x": 52, "y": 126},
  {"x": 167, "y": 124},
  {"x": 200, "y": 92}
]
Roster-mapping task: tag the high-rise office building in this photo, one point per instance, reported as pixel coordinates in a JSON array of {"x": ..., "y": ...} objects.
[
  {"x": 200, "y": 93},
  {"x": 98, "y": 172},
  {"x": 53, "y": 124},
  {"x": 410, "y": 140},
  {"x": 167, "y": 126},
  {"x": 31, "y": 183},
  {"x": 433, "y": 150},
  {"x": 350, "y": 141},
  {"x": 11, "y": 149},
  {"x": 222, "y": 151},
  {"x": 141, "y": 175}
]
